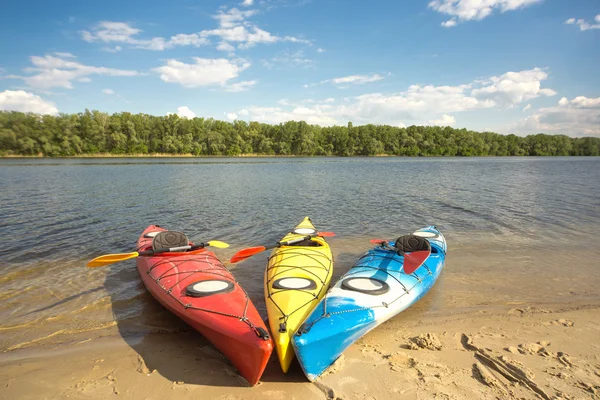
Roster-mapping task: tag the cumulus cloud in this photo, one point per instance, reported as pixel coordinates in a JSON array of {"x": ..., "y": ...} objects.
[
  {"x": 247, "y": 3},
  {"x": 579, "y": 116},
  {"x": 583, "y": 25},
  {"x": 234, "y": 28},
  {"x": 204, "y": 72},
  {"x": 109, "y": 92},
  {"x": 418, "y": 104},
  {"x": 515, "y": 87},
  {"x": 466, "y": 10},
  {"x": 184, "y": 112},
  {"x": 527, "y": 107},
  {"x": 19, "y": 100},
  {"x": 54, "y": 71},
  {"x": 231, "y": 116},
  {"x": 320, "y": 50},
  {"x": 446, "y": 120}
]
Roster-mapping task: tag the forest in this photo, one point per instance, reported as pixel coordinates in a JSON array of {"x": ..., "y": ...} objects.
[{"x": 99, "y": 133}]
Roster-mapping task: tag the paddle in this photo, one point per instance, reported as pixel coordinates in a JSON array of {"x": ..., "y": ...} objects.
[
  {"x": 412, "y": 260},
  {"x": 113, "y": 258},
  {"x": 250, "y": 251}
]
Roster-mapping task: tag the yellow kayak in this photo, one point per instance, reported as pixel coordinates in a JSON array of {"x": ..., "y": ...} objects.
[{"x": 296, "y": 278}]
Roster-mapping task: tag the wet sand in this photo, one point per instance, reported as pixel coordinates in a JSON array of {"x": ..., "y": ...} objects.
[{"x": 489, "y": 328}]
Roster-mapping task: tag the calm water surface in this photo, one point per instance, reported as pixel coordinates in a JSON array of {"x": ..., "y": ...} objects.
[{"x": 519, "y": 230}]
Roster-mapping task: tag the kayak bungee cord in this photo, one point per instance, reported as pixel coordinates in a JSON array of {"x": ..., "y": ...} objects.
[
  {"x": 214, "y": 270},
  {"x": 304, "y": 328},
  {"x": 286, "y": 256}
]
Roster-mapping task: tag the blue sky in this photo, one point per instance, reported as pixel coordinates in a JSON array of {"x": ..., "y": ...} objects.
[{"x": 510, "y": 66}]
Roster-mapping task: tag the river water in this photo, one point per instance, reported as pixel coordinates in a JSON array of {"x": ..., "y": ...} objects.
[{"x": 520, "y": 231}]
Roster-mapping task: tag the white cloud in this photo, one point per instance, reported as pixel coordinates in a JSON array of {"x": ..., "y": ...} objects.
[
  {"x": 115, "y": 49},
  {"x": 449, "y": 24},
  {"x": 51, "y": 71},
  {"x": 320, "y": 50},
  {"x": 288, "y": 58},
  {"x": 108, "y": 91},
  {"x": 122, "y": 32},
  {"x": 240, "y": 86},
  {"x": 247, "y": 3},
  {"x": 243, "y": 112},
  {"x": 515, "y": 87},
  {"x": 351, "y": 79},
  {"x": 233, "y": 27},
  {"x": 231, "y": 116},
  {"x": 204, "y": 72},
  {"x": 418, "y": 104},
  {"x": 446, "y": 120},
  {"x": 224, "y": 46},
  {"x": 63, "y": 55},
  {"x": 19, "y": 100},
  {"x": 466, "y": 10},
  {"x": 357, "y": 79},
  {"x": 184, "y": 112},
  {"x": 85, "y": 79},
  {"x": 189, "y": 40},
  {"x": 583, "y": 25},
  {"x": 580, "y": 116},
  {"x": 233, "y": 17},
  {"x": 527, "y": 107}
]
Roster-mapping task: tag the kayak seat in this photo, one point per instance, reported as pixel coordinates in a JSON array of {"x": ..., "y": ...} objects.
[
  {"x": 166, "y": 239},
  {"x": 410, "y": 243}
]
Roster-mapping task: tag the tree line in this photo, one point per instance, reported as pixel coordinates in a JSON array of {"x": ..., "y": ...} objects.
[{"x": 95, "y": 132}]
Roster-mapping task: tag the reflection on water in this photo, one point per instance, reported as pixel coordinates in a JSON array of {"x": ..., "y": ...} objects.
[{"x": 514, "y": 228}]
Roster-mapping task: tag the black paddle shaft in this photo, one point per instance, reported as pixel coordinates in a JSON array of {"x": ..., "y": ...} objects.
[{"x": 171, "y": 249}]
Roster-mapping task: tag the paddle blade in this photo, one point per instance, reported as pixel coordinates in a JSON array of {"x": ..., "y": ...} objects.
[
  {"x": 378, "y": 242},
  {"x": 414, "y": 260},
  {"x": 111, "y": 259},
  {"x": 218, "y": 244},
  {"x": 245, "y": 253},
  {"x": 326, "y": 234}
]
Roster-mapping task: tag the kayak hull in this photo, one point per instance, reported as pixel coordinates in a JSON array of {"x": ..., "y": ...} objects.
[
  {"x": 374, "y": 290},
  {"x": 309, "y": 263},
  {"x": 227, "y": 318}
]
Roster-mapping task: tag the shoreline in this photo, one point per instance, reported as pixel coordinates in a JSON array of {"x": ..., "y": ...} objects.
[
  {"x": 554, "y": 347},
  {"x": 189, "y": 155}
]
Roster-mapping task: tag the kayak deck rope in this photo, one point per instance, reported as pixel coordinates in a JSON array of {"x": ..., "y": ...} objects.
[
  {"x": 217, "y": 269},
  {"x": 360, "y": 268},
  {"x": 321, "y": 264}
]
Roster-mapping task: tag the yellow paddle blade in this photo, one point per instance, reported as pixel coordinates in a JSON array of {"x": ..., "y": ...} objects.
[
  {"x": 110, "y": 259},
  {"x": 218, "y": 244}
]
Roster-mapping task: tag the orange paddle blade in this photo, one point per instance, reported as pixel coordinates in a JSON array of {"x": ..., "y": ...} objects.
[
  {"x": 414, "y": 260},
  {"x": 245, "y": 253},
  {"x": 326, "y": 234},
  {"x": 378, "y": 241}
]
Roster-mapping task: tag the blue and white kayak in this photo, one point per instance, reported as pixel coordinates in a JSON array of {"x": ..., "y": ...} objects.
[{"x": 374, "y": 290}]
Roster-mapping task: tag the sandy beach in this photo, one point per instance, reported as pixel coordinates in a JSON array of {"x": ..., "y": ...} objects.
[
  {"x": 511, "y": 352},
  {"x": 479, "y": 333}
]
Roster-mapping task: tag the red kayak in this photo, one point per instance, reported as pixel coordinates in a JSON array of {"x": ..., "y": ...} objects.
[{"x": 196, "y": 286}]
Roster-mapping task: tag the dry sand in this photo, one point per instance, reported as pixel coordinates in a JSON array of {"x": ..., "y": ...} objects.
[{"x": 547, "y": 352}]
